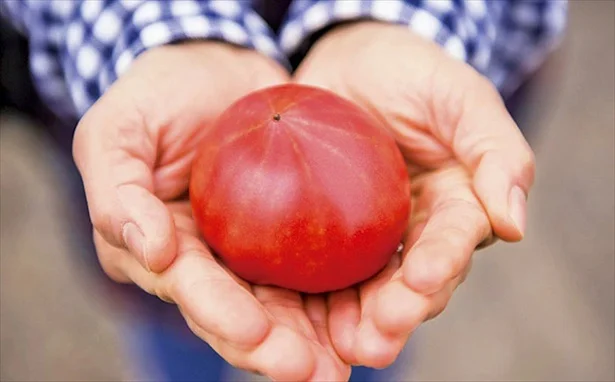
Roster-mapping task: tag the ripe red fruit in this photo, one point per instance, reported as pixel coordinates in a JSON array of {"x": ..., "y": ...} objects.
[{"x": 296, "y": 187}]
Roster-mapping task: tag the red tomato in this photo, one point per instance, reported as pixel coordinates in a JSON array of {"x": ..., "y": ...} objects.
[{"x": 299, "y": 188}]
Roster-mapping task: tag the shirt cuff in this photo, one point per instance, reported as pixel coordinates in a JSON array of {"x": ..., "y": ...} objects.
[
  {"x": 466, "y": 35},
  {"x": 103, "y": 39}
]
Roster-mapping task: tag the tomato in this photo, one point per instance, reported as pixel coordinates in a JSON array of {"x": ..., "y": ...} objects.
[{"x": 296, "y": 187}]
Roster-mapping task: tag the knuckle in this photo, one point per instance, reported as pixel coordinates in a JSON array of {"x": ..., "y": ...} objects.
[
  {"x": 456, "y": 237},
  {"x": 450, "y": 262},
  {"x": 179, "y": 283},
  {"x": 464, "y": 274},
  {"x": 435, "y": 312},
  {"x": 422, "y": 313}
]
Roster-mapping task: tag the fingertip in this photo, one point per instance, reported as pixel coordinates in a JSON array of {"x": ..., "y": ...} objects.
[
  {"x": 284, "y": 356},
  {"x": 505, "y": 229},
  {"x": 344, "y": 317},
  {"x": 375, "y": 350},
  {"x": 503, "y": 225},
  {"x": 398, "y": 310}
]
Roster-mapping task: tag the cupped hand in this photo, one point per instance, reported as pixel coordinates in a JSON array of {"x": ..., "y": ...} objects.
[
  {"x": 134, "y": 150},
  {"x": 471, "y": 173},
  {"x": 271, "y": 331}
]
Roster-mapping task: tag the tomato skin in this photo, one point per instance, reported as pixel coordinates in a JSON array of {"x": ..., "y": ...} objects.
[{"x": 296, "y": 187}]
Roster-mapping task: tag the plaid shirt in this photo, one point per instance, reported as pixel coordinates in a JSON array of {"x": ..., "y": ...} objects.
[{"x": 79, "y": 48}]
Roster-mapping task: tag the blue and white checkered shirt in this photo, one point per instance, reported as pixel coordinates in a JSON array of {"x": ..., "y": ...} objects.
[{"x": 78, "y": 48}]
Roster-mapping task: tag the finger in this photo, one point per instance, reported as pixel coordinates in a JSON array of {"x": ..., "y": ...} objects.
[
  {"x": 271, "y": 358},
  {"x": 286, "y": 307},
  {"x": 375, "y": 349},
  {"x": 440, "y": 299},
  {"x": 207, "y": 294},
  {"x": 224, "y": 315},
  {"x": 344, "y": 317},
  {"x": 316, "y": 312},
  {"x": 368, "y": 291},
  {"x": 329, "y": 367},
  {"x": 448, "y": 240},
  {"x": 309, "y": 319},
  {"x": 396, "y": 314},
  {"x": 244, "y": 333},
  {"x": 346, "y": 308},
  {"x": 212, "y": 298},
  {"x": 399, "y": 310},
  {"x": 115, "y": 157},
  {"x": 487, "y": 140},
  {"x": 369, "y": 288}
]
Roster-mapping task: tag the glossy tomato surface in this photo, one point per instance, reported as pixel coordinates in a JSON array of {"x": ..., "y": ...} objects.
[{"x": 296, "y": 187}]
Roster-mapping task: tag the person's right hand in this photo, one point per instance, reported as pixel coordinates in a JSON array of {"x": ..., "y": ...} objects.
[{"x": 134, "y": 149}]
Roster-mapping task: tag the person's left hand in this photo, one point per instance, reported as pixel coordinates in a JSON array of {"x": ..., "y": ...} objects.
[{"x": 471, "y": 171}]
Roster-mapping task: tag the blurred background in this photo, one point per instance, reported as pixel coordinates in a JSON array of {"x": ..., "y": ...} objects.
[{"x": 541, "y": 310}]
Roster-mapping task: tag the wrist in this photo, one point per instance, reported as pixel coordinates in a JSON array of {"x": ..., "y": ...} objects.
[{"x": 360, "y": 31}]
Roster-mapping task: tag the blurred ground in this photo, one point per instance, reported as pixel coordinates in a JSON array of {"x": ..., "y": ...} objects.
[
  {"x": 542, "y": 310},
  {"x": 51, "y": 325}
]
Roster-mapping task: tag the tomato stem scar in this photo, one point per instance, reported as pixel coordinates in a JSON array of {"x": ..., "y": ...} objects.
[{"x": 276, "y": 117}]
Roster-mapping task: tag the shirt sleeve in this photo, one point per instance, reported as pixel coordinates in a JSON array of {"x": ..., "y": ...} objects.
[
  {"x": 79, "y": 48},
  {"x": 504, "y": 39}
]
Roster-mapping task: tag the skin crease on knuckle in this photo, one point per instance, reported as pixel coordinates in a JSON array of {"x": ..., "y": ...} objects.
[
  {"x": 384, "y": 355},
  {"x": 393, "y": 318}
]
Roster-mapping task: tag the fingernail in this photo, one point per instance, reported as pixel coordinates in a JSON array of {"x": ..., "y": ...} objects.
[
  {"x": 135, "y": 242},
  {"x": 516, "y": 208}
]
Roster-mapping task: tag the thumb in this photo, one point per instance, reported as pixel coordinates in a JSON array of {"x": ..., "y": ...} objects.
[
  {"x": 487, "y": 140},
  {"x": 115, "y": 156}
]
